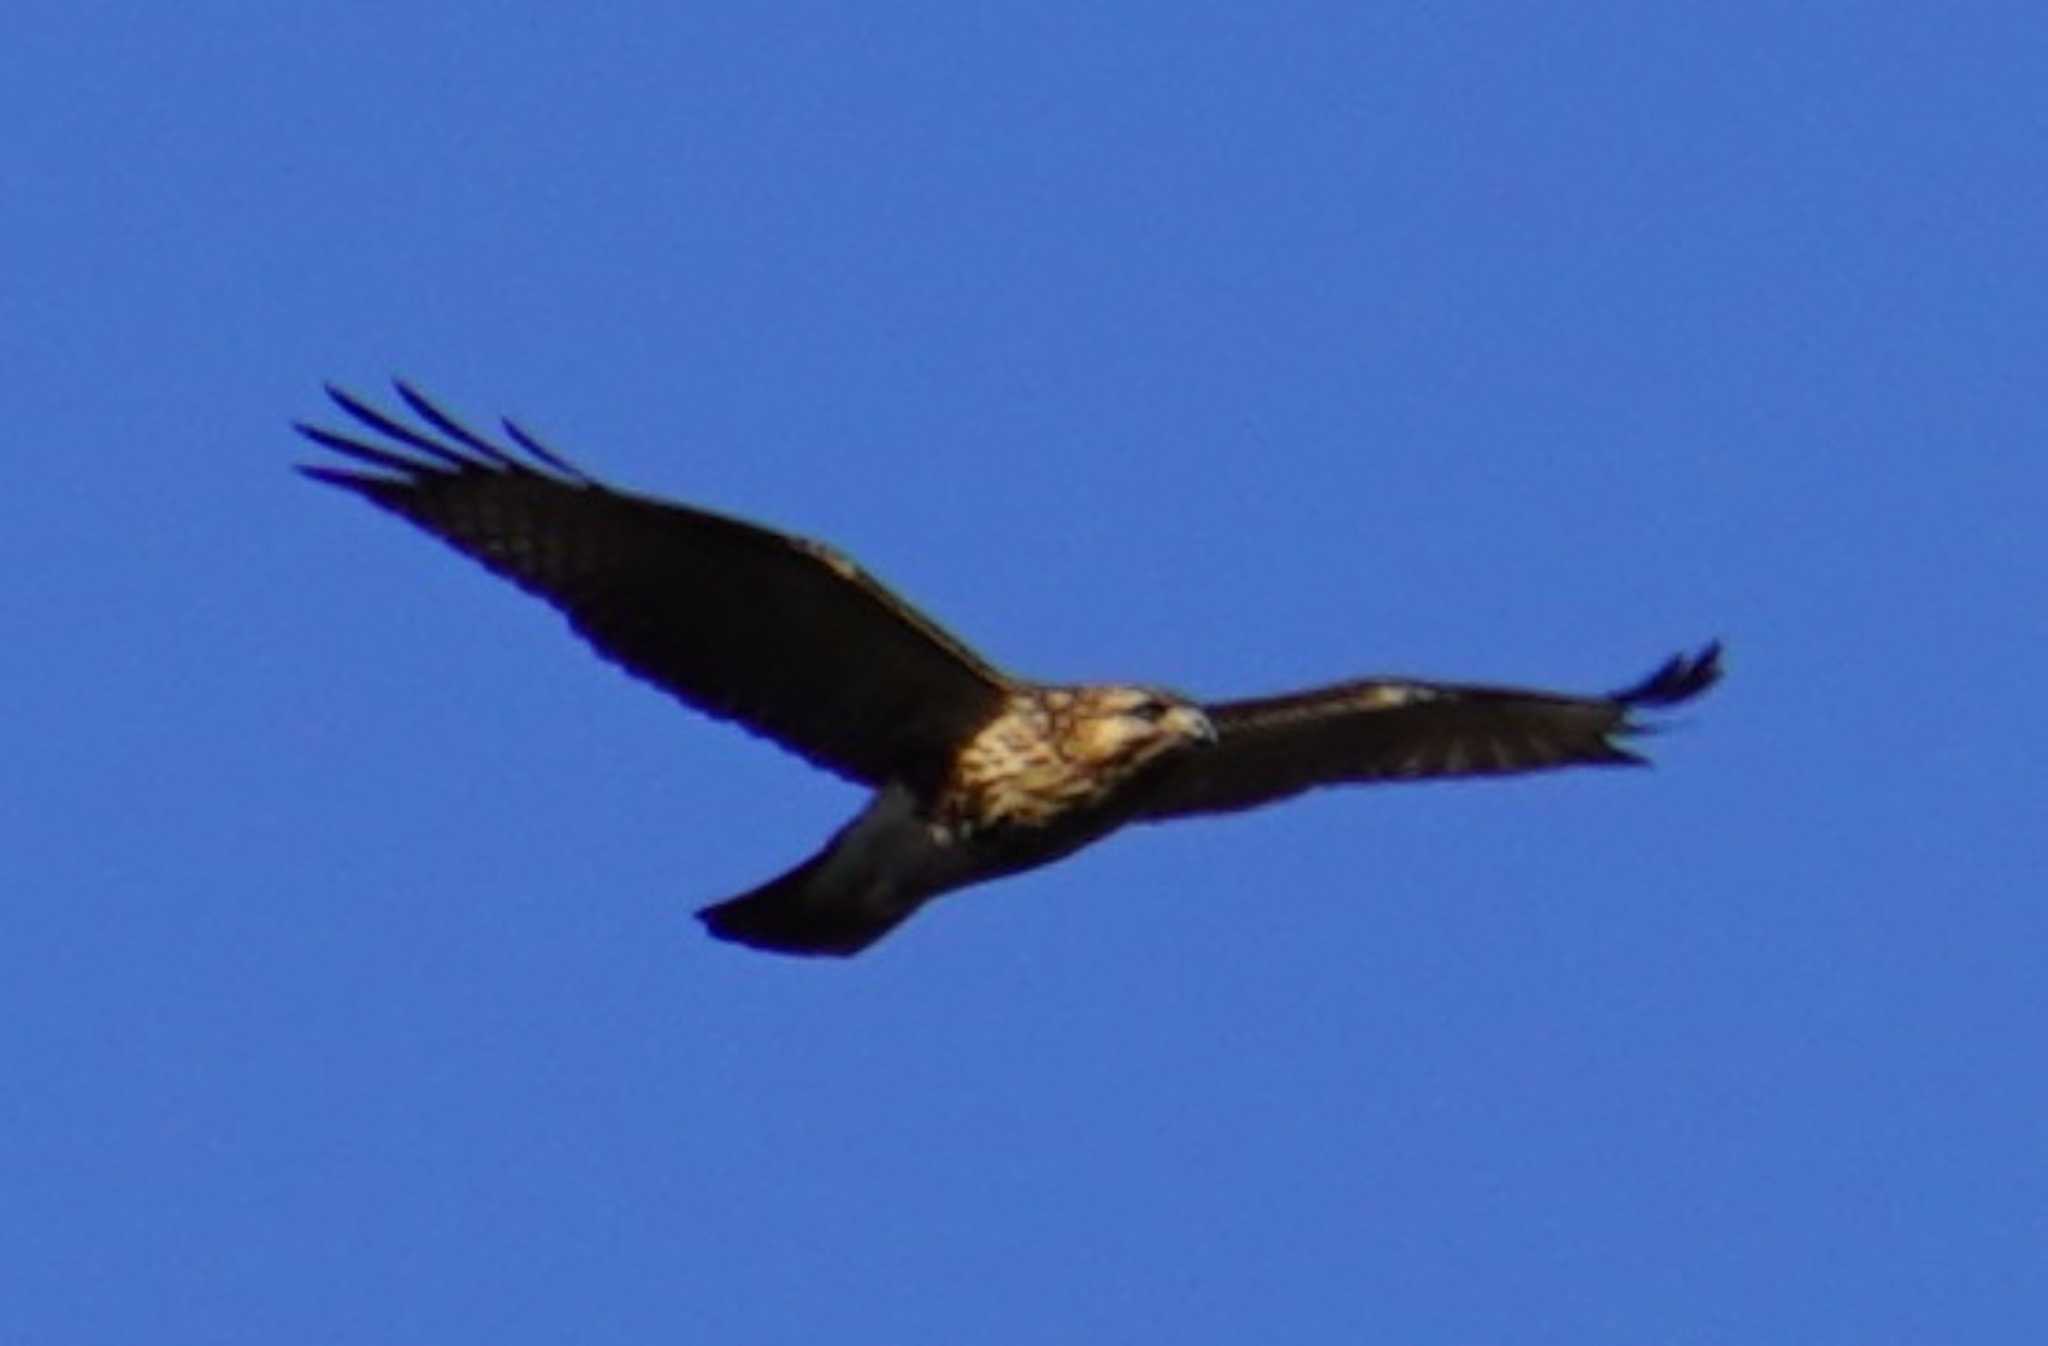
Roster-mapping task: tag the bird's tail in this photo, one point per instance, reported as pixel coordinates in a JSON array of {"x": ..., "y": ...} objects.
[{"x": 807, "y": 912}]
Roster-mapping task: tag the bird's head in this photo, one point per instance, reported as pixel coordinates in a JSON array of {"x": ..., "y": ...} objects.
[{"x": 1119, "y": 729}]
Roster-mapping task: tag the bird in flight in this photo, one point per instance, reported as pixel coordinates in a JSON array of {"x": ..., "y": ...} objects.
[{"x": 976, "y": 773}]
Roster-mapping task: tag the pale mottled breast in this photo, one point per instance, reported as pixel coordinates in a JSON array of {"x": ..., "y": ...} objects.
[{"x": 1054, "y": 755}]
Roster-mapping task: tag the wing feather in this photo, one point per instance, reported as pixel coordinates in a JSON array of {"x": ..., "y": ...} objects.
[
  {"x": 1389, "y": 729},
  {"x": 782, "y": 634}
]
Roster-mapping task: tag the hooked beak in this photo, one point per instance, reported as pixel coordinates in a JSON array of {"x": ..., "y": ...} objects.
[{"x": 1190, "y": 723}]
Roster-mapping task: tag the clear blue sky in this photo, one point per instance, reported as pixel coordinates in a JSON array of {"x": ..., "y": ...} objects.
[{"x": 349, "y": 986}]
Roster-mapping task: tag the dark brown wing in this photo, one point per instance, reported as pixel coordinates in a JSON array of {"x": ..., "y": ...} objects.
[
  {"x": 1380, "y": 730},
  {"x": 784, "y": 635}
]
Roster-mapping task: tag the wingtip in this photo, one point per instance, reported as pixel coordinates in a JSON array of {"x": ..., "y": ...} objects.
[
  {"x": 542, "y": 452},
  {"x": 343, "y": 398},
  {"x": 1679, "y": 678}
]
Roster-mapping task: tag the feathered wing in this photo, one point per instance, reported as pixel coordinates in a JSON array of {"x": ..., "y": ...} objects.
[
  {"x": 781, "y": 634},
  {"x": 1378, "y": 730}
]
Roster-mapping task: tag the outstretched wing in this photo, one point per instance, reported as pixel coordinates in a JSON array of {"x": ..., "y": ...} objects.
[
  {"x": 1379, "y": 730},
  {"x": 784, "y": 635}
]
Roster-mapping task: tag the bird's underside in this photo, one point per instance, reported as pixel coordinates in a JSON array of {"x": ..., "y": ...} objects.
[{"x": 976, "y": 774}]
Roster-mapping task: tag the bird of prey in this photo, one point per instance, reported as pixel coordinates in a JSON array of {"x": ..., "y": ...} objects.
[{"x": 975, "y": 773}]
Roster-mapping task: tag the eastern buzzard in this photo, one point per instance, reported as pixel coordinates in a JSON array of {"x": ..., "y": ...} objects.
[{"x": 976, "y": 773}]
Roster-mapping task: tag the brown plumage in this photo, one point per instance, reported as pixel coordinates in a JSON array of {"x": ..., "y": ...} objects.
[{"x": 976, "y": 773}]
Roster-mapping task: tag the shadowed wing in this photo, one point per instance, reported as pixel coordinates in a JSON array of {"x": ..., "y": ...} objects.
[
  {"x": 781, "y": 634},
  {"x": 1381, "y": 730}
]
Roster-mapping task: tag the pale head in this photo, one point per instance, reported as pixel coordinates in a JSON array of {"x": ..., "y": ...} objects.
[{"x": 1121, "y": 728}]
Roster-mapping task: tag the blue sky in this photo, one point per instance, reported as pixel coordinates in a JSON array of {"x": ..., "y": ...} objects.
[{"x": 350, "y": 986}]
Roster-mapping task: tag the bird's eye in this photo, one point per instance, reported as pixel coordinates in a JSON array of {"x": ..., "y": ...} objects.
[{"x": 1152, "y": 711}]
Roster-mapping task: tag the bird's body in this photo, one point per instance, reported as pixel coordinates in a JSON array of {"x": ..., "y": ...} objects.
[
  {"x": 976, "y": 774},
  {"x": 1058, "y": 768}
]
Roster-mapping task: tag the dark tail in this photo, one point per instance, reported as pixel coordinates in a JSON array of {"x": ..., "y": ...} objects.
[{"x": 795, "y": 914}]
